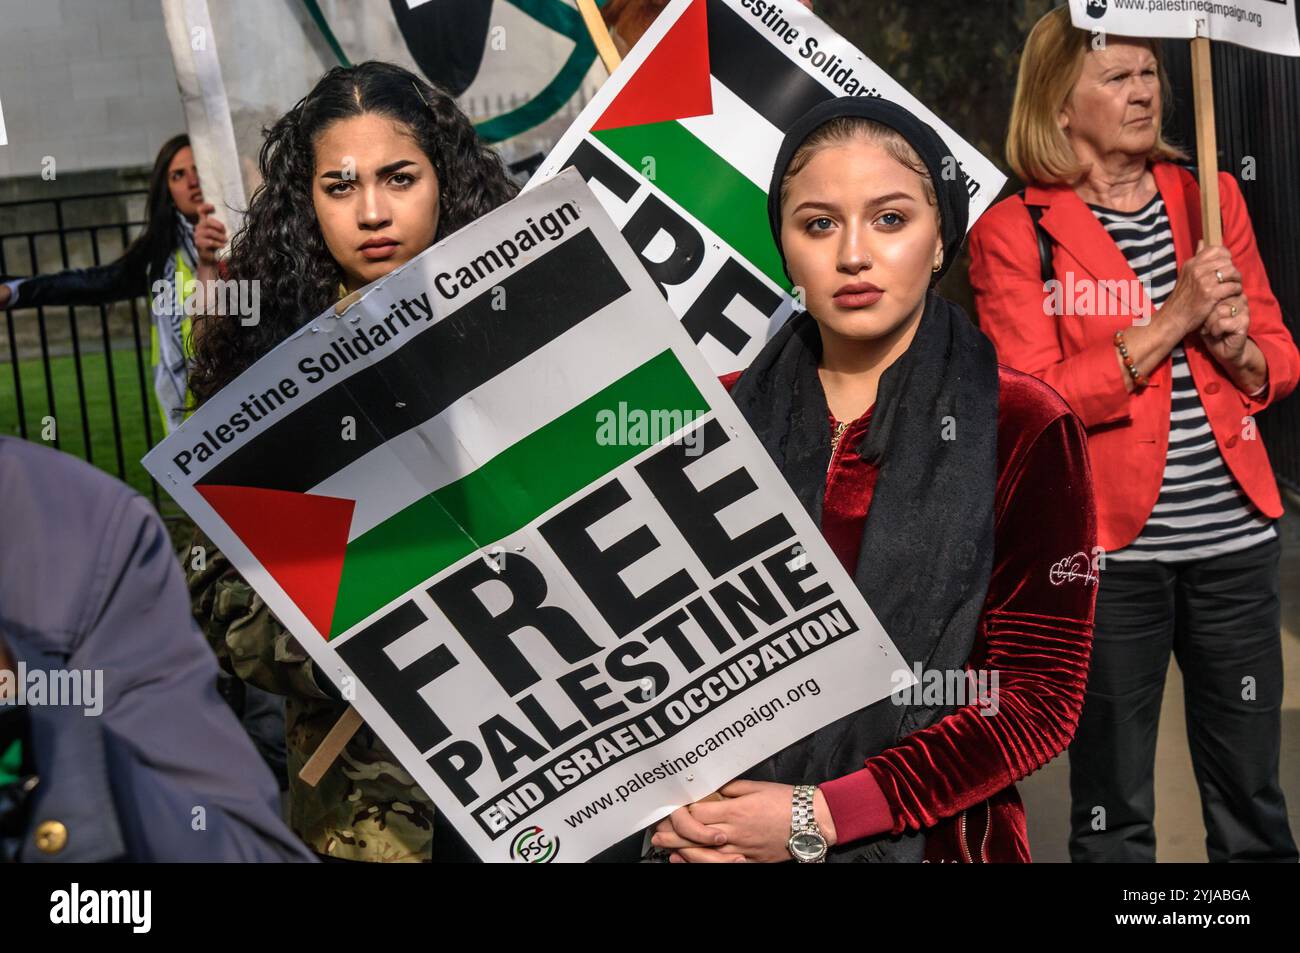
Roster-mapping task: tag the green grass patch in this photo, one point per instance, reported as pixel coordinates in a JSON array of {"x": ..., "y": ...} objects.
[{"x": 68, "y": 420}]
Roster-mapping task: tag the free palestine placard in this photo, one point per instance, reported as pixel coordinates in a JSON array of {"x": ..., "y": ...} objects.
[{"x": 507, "y": 507}]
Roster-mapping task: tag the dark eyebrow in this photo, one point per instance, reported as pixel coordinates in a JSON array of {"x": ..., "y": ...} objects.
[
  {"x": 394, "y": 166},
  {"x": 879, "y": 200},
  {"x": 826, "y": 205},
  {"x": 385, "y": 170},
  {"x": 893, "y": 197}
]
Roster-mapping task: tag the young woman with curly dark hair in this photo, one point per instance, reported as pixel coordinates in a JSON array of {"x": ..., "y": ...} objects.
[
  {"x": 371, "y": 168},
  {"x": 320, "y": 201}
]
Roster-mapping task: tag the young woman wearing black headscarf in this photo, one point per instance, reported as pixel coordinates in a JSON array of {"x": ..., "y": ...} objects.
[{"x": 955, "y": 490}]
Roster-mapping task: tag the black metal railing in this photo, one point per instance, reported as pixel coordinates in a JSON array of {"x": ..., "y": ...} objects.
[
  {"x": 114, "y": 404},
  {"x": 117, "y": 407}
]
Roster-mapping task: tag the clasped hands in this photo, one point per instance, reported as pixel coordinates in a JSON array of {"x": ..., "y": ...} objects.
[
  {"x": 745, "y": 822},
  {"x": 1211, "y": 291}
]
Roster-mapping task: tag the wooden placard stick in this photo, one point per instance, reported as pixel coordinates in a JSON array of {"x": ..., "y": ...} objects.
[
  {"x": 599, "y": 34},
  {"x": 1207, "y": 150},
  {"x": 330, "y": 747},
  {"x": 346, "y": 302}
]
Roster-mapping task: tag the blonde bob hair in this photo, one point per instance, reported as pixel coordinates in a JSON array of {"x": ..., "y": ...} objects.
[{"x": 1037, "y": 147}]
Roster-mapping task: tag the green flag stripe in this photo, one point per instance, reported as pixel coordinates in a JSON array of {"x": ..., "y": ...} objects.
[
  {"x": 705, "y": 185},
  {"x": 504, "y": 495}
]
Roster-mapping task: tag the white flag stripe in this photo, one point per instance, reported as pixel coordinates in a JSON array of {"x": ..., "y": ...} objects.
[
  {"x": 739, "y": 134},
  {"x": 459, "y": 440}
]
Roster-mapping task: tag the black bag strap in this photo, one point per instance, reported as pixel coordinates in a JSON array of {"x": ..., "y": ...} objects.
[{"x": 1044, "y": 240}]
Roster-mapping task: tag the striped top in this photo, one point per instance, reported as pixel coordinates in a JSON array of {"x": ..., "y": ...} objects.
[{"x": 1201, "y": 511}]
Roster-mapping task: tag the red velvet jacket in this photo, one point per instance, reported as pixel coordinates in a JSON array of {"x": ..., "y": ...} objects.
[
  {"x": 956, "y": 778},
  {"x": 1128, "y": 434}
]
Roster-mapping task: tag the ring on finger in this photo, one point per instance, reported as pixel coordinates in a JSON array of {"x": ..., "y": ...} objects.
[
  {"x": 1218, "y": 274},
  {"x": 1234, "y": 310}
]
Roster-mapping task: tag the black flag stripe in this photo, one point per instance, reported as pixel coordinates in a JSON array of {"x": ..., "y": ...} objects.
[
  {"x": 756, "y": 71},
  {"x": 543, "y": 299}
]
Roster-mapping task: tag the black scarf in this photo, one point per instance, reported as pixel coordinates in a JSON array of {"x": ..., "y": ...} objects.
[{"x": 927, "y": 547}]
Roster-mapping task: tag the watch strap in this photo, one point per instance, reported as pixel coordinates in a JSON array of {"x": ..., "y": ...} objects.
[{"x": 803, "y": 818}]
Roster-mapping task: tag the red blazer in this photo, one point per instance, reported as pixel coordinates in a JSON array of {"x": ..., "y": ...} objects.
[{"x": 1128, "y": 434}]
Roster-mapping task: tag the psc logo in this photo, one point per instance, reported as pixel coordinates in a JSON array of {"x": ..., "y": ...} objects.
[
  {"x": 532, "y": 846},
  {"x": 1096, "y": 9}
]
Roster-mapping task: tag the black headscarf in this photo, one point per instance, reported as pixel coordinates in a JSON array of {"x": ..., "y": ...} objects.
[
  {"x": 927, "y": 546},
  {"x": 949, "y": 185}
]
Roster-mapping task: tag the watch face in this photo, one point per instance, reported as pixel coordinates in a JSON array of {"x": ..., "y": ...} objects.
[{"x": 807, "y": 845}]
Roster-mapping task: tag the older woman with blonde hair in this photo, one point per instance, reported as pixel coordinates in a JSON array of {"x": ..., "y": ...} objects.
[{"x": 1095, "y": 279}]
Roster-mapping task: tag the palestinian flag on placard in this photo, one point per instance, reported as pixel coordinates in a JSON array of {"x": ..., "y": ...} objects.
[
  {"x": 467, "y": 434},
  {"x": 711, "y": 104}
]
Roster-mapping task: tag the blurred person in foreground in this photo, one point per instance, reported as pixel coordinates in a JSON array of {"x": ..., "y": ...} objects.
[{"x": 114, "y": 744}]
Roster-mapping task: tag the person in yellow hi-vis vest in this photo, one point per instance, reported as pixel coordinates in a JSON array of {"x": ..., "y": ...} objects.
[
  {"x": 171, "y": 351},
  {"x": 178, "y": 246}
]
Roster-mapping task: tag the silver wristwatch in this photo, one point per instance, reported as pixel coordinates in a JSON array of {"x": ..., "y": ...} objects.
[{"x": 807, "y": 844}]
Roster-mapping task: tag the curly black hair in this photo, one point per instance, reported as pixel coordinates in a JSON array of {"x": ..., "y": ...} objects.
[{"x": 280, "y": 244}]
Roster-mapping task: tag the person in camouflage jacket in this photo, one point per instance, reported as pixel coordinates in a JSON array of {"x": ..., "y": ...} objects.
[
  {"x": 302, "y": 245},
  {"x": 366, "y": 806}
]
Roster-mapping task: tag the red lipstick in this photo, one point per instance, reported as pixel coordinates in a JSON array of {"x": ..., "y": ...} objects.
[{"x": 858, "y": 294}]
